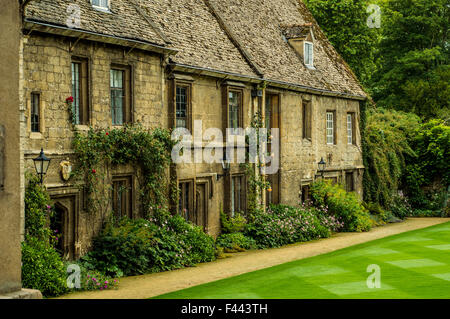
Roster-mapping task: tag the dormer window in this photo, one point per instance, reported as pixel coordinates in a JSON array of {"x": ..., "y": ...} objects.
[
  {"x": 301, "y": 39},
  {"x": 309, "y": 54},
  {"x": 102, "y": 5}
]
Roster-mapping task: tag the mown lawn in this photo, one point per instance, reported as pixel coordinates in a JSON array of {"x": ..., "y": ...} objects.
[{"x": 413, "y": 265}]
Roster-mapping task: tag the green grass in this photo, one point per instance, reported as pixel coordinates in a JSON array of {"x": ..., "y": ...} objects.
[{"x": 413, "y": 265}]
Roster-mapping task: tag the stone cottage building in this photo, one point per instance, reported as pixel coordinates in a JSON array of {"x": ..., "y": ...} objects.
[{"x": 167, "y": 63}]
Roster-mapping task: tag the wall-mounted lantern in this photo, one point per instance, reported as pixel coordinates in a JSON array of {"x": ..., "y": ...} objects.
[
  {"x": 322, "y": 165},
  {"x": 41, "y": 164}
]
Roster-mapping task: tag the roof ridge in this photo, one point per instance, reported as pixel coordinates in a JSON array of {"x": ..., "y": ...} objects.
[
  {"x": 247, "y": 56},
  {"x": 150, "y": 21}
]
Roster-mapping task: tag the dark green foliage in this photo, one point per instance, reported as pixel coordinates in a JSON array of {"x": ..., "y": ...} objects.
[
  {"x": 341, "y": 204},
  {"x": 428, "y": 172},
  {"x": 386, "y": 143},
  {"x": 234, "y": 242},
  {"x": 400, "y": 207},
  {"x": 414, "y": 73},
  {"x": 141, "y": 246}
]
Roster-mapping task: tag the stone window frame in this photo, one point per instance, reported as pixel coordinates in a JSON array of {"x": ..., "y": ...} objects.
[
  {"x": 307, "y": 119},
  {"x": 40, "y": 133},
  {"x": 334, "y": 128},
  {"x": 128, "y": 88},
  {"x": 85, "y": 89}
]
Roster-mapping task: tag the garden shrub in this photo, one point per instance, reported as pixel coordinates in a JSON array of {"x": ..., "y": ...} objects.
[
  {"x": 400, "y": 207},
  {"x": 341, "y": 204},
  {"x": 235, "y": 242},
  {"x": 42, "y": 266},
  {"x": 232, "y": 224},
  {"x": 379, "y": 214},
  {"x": 281, "y": 225},
  {"x": 142, "y": 246}
]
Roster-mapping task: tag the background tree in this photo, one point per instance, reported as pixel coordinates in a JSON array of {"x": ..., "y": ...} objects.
[
  {"x": 345, "y": 24},
  {"x": 414, "y": 73}
]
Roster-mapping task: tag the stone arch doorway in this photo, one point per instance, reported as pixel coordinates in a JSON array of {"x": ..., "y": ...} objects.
[{"x": 63, "y": 225}]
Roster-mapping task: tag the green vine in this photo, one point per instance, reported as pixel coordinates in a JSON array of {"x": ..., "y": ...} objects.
[
  {"x": 147, "y": 151},
  {"x": 256, "y": 183}
]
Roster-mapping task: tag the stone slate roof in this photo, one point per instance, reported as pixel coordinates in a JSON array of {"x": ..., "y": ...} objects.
[
  {"x": 258, "y": 24},
  {"x": 193, "y": 30},
  {"x": 297, "y": 31},
  {"x": 123, "y": 21},
  {"x": 245, "y": 37}
]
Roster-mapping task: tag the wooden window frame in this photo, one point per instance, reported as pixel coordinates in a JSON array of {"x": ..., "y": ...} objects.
[
  {"x": 353, "y": 128},
  {"x": 334, "y": 128},
  {"x": 84, "y": 90},
  {"x": 227, "y": 89},
  {"x": 307, "y": 120},
  {"x": 242, "y": 195},
  {"x": 183, "y": 199},
  {"x": 188, "y": 86},
  {"x": 128, "y": 205},
  {"x": 127, "y": 103}
]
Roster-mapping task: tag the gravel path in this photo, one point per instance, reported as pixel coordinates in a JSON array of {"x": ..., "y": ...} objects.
[{"x": 151, "y": 285}]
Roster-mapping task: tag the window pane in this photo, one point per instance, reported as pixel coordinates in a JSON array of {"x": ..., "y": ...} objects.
[
  {"x": 35, "y": 118},
  {"x": 349, "y": 129},
  {"x": 76, "y": 92},
  {"x": 181, "y": 106},
  {"x": 117, "y": 96},
  {"x": 234, "y": 108},
  {"x": 330, "y": 128}
]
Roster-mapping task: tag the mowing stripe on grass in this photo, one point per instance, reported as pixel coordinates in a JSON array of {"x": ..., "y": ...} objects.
[{"x": 409, "y": 268}]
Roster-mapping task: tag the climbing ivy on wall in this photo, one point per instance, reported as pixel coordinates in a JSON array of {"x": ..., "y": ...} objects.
[{"x": 149, "y": 152}]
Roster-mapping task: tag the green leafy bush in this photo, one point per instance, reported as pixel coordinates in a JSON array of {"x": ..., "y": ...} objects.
[
  {"x": 232, "y": 224},
  {"x": 42, "y": 266},
  {"x": 235, "y": 242},
  {"x": 341, "y": 204},
  {"x": 281, "y": 225},
  {"x": 141, "y": 246}
]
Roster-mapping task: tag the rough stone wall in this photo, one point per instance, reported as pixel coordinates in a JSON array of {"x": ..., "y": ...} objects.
[
  {"x": 207, "y": 106},
  {"x": 10, "y": 249},
  {"x": 47, "y": 69},
  {"x": 299, "y": 157}
]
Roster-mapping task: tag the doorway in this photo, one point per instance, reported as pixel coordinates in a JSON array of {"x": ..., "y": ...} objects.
[{"x": 63, "y": 226}]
